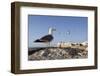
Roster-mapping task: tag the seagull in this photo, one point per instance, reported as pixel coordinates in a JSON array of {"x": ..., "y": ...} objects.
[
  {"x": 47, "y": 38},
  {"x": 68, "y": 32}
]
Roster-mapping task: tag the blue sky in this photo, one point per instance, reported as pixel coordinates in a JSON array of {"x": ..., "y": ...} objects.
[{"x": 38, "y": 26}]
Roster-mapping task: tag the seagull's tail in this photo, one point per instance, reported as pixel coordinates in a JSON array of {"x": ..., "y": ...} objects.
[{"x": 37, "y": 40}]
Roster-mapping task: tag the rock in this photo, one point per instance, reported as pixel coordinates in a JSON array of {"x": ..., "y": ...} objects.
[{"x": 58, "y": 53}]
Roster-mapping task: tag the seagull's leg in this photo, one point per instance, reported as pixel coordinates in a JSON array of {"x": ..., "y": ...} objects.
[{"x": 48, "y": 44}]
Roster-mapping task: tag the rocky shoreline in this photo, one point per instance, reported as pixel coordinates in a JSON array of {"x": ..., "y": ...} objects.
[{"x": 54, "y": 53}]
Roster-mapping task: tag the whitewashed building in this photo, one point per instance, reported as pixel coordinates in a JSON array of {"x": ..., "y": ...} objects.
[{"x": 64, "y": 44}]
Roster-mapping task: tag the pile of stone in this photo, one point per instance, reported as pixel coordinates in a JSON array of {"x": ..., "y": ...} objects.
[{"x": 55, "y": 53}]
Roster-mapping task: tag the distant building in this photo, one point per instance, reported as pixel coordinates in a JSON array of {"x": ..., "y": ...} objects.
[
  {"x": 64, "y": 44},
  {"x": 85, "y": 43},
  {"x": 69, "y": 44}
]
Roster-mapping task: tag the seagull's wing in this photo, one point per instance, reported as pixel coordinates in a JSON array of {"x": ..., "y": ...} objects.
[
  {"x": 47, "y": 38},
  {"x": 38, "y": 40}
]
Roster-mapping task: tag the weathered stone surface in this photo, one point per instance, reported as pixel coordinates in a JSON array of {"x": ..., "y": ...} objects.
[{"x": 52, "y": 53}]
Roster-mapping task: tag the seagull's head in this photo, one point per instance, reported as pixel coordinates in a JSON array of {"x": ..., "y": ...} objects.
[{"x": 51, "y": 30}]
